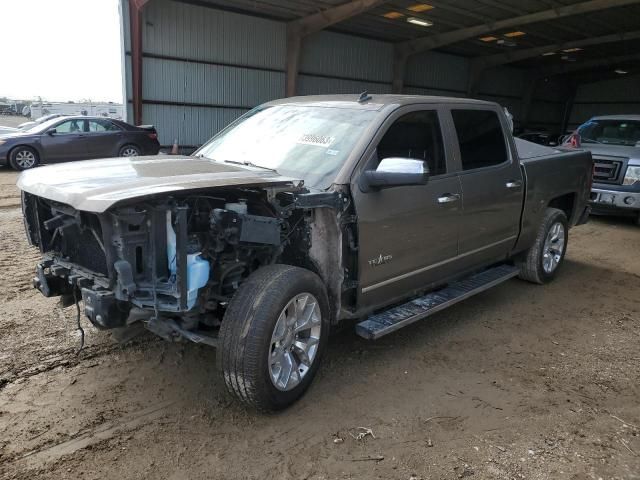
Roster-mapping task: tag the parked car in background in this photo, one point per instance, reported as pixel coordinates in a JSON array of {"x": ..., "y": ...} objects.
[
  {"x": 38, "y": 121},
  {"x": 76, "y": 138},
  {"x": 541, "y": 138},
  {"x": 614, "y": 141}
]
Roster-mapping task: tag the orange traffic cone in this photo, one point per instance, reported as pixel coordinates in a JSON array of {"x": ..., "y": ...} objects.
[{"x": 174, "y": 149}]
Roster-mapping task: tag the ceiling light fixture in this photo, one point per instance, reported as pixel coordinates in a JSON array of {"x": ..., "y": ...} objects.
[
  {"x": 419, "y": 21},
  {"x": 571, "y": 50},
  {"x": 420, "y": 7},
  {"x": 619, "y": 71},
  {"x": 393, "y": 15},
  {"x": 547, "y": 54},
  {"x": 517, "y": 33},
  {"x": 488, "y": 39}
]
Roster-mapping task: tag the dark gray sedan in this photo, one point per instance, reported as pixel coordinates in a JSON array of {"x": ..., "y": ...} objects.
[{"x": 76, "y": 138}]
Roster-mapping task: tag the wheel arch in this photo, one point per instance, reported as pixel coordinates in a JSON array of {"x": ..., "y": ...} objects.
[
  {"x": 129, "y": 143},
  {"x": 566, "y": 203},
  {"x": 35, "y": 148}
]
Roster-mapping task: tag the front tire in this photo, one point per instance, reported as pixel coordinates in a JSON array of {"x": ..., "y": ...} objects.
[
  {"x": 23, "y": 158},
  {"x": 546, "y": 255},
  {"x": 273, "y": 335}
]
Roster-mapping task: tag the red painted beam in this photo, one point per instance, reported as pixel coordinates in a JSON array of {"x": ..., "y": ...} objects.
[{"x": 135, "y": 17}]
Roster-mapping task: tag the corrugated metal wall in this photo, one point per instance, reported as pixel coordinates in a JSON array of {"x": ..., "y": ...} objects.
[
  {"x": 203, "y": 67},
  {"x": 611, "y": 97}
]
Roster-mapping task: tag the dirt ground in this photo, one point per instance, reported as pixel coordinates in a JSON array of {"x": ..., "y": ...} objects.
[{"x": 519, "y": 382}]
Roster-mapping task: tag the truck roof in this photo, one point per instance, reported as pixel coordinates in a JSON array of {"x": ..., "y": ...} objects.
[{"x": 375, "y": 102}]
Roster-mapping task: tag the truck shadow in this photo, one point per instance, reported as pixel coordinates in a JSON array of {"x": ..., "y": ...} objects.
[{"x": 614, "y": 221}]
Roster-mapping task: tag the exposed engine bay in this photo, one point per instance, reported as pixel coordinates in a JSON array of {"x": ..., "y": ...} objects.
[{"x": 174, "y": 263}]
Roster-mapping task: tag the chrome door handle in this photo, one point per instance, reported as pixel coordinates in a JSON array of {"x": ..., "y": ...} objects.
[
  {"x": 448, "y": 198},
  {"x": 516, "y": 184}
]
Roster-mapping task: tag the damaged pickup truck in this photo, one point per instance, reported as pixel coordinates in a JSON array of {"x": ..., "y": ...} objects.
[{"x": 304, "y": 213}]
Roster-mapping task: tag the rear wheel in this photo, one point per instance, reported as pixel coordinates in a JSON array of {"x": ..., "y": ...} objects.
[
  {"x": 23, "y": 158},
  {"x": 544, "y": 258},
  {"x": 129, "y": 151},
  {"x": 273, "y": 335}
]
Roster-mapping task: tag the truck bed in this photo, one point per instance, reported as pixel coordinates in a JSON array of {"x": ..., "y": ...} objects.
[{"x": 552, "y": 173}]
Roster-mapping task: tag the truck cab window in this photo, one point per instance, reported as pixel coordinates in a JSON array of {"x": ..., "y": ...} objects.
[
  {"x": 415, "y": 135},
  {"x": 480, "y": 137}
]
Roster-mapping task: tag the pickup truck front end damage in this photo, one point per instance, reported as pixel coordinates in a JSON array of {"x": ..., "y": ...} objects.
[
  {"x": 175, "y": 263},
  {"x": 302, "y": 214}
]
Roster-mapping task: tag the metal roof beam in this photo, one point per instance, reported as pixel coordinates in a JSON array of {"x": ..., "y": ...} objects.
[
  {"x": 519, "y": 11},
  {"x": 406, "y": 49},
  {"x": 480, "y": 64},
  {"x": 422, "y": 44},
  {"x": 518, "y": 55},
  {"x": 600, "y": 62},
  {"x": 302, "y": 27},
  {"x": 326, "y": 18}
]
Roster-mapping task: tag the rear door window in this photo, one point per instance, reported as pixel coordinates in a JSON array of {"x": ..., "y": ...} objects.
[
  {"x": 481, "y": 139},
  {"x": 102, "y": 126}
]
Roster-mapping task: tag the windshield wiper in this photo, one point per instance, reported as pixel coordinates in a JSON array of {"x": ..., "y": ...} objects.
[{"x": 247, "y": 163}]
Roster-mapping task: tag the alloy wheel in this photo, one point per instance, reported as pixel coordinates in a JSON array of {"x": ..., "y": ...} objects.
[
  {"x": 553, "y": 248},
  {"x": 295, "y": 341},
  {"x": 130, "y": 152},
  {"x": 25, "y": 159}
]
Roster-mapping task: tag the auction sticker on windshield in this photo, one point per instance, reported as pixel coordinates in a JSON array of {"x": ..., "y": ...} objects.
[{"x": 317, "y": 140}]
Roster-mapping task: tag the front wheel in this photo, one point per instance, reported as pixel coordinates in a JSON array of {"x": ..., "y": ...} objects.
[
  {"x": 273, "y": 335},
  {"x": 23, "y": 158},
  {"x": 545, "y": 256}
]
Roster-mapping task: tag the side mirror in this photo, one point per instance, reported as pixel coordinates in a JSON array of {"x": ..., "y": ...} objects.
[
  {"x": 395, "y": 172},
  {"x": 51, "y": 131}
]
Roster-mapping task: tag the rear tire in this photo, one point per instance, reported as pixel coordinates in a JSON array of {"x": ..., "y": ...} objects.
[
  {"x": 23, "y": 158},
  {"x": 273, "y": 335},
  {"x": 546, "y": 255},
  {"x": 129, "y": 151}
]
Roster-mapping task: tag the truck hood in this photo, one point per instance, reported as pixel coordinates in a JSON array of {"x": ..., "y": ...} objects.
[
  {"x": 627, "y": 152},
  {"x": 97, "y": 185}
]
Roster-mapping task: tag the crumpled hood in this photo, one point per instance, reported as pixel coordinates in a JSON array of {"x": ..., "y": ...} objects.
[{"x": 97, "y": 185}]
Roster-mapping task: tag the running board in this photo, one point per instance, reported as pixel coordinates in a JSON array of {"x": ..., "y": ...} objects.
[{"x": 397, "y": 317}]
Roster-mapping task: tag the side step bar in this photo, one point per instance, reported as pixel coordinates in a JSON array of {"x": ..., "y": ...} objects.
[{"x": 397, "y": 317}]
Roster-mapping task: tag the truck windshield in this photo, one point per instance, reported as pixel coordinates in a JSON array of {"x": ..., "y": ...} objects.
[
  {"x": 310, "y": 143},
  {"x": 611, "y": 132}
]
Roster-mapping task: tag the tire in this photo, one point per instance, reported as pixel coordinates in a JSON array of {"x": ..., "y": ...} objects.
[
  {"x": 546, "y": 255},
  {"x": 129, "y": 151},
  {"x": 247, "y": 355},
  {"x": 23, "y": 158}
]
